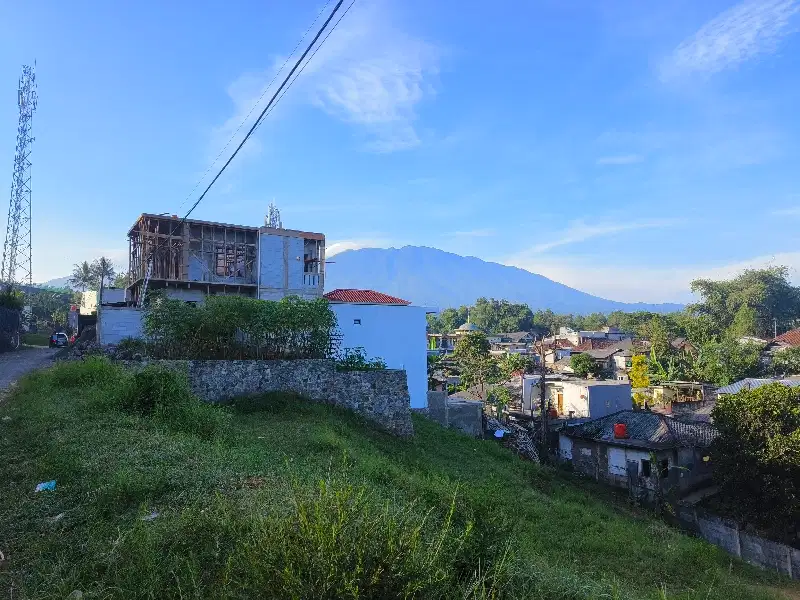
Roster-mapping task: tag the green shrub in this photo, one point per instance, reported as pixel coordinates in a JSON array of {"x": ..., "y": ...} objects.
[
  {"x": 165, "y": 395},
  {"x": 129, "y": 347},
  {"x": 11, "y": 298},
  {"x": 233, "y": 327},
  {"x": 355, "y": 359}
]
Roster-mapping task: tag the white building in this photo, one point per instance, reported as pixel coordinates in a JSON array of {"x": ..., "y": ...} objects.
[
  {"x": 580, "y": 398},
  {"x": 388, "y": 328}
]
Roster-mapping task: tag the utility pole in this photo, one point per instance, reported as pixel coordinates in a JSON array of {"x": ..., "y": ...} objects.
[
  {"x": 774, "y": 327},
  {"x": 543, "y": 451}
]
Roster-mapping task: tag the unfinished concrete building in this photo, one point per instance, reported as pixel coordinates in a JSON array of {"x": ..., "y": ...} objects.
[{"x": 193, "y": 259}]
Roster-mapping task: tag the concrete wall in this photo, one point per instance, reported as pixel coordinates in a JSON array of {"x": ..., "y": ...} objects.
[
  {"x": 607, "y": 399},
  {"x": 464, "y": 415},
  {"x": 394, "y": 333},
  {"x": 281, "y": 268},
  {"x": 380, "y": 396},
  {"x": 115, "y": 324},
  {"x": 750, "y": 548}
]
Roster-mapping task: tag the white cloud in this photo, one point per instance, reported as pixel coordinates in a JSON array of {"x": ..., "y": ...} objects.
[
  {"x": 579, "y": 231},
  {"x": 741, "y": 33},
  {"x": 621, "y": 159},
  {"x": 642, "y": 283},
  {"x": 341, "y": 245},
  {"x": 786, "y": 212},
  {"x": 369, "y": 73},
  {"x": 372, "y": 74}
]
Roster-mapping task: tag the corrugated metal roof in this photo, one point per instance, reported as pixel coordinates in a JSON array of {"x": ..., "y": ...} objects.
[
  {"x": 646, "y": 429},
  {"x": 363, "y": 297},
  {"x": 753, "y": 383}
]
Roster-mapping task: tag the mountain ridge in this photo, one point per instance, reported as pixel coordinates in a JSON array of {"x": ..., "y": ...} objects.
[{"x": 436, "y": 278}]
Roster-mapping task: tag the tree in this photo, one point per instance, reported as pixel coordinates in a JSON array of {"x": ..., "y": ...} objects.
[
  {"x": 582, "y": 364},
  {"x": 82, "y": 277},
  {"x": 748, "y": 303},
  {"x": 638, "y": 372},
  {"x": 103, "y": 271},
  {"x": 756, "y": 457},
  {"x": 786, "y": 362},
  {"x": 722, "y": 363},
  {"x": 500, "y": 398},
  {"x": 514, "y": 363},
  {"x": 120, "y": 280},
  {"x": 452, "y": 318},
  {"x": 475, "y": 365}
]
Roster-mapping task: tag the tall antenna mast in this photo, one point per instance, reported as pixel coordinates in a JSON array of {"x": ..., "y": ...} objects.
[
  {"x": 17, "y": 264},
  {"x": 273, "y": 217}
]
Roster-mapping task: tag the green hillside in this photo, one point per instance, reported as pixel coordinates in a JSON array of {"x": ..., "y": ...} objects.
[{"x": 281, "y": 498}]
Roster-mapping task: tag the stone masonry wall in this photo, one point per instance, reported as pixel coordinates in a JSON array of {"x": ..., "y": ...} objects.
[{"x": 380, "y": 396}]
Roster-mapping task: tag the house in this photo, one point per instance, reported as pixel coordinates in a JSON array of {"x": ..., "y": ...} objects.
[
  {"x": 573, "y": 397},
  {"x": 669, "y": 392},
  {"x": 388, "y": 328},
  {"x": 751, "y": 383},
  {"x": 612, "y": 334},
  {"x": 441, "y": 343},
  {"x": 191, "y": 259},
  {"x": 790, "y": 339},
  {"x": 641, "y": 451},
  {"x": 503, "y": 344},
  {"x": 682, "y": 345}
]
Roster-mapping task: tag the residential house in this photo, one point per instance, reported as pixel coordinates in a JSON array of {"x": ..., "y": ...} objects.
[
  {"x": 573, "y": 397},
  {"x": 386, "y": 327},
  {"x": 503, "y": 344},
  {"x": 606, "y": 333},
  {"x": 790, "y": 339},
  {"x": 441, "y": 343},
  {"x": 752, "y": 383},
  {"x": 641, "y": 451}
]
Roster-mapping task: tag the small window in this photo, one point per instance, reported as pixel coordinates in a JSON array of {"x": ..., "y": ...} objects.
[
  {"x": 356, "y": 321},
  {"x": 664, "y": 468},
  {"x": 645, "y": 468}
]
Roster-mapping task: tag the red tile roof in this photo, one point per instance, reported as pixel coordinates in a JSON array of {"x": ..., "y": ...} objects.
[
  {"x": 791, "y": 338},
  {"x": 363, "y": 297}
]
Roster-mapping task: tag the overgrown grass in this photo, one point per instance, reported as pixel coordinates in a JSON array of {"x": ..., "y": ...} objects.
[
  {"x": 283, "y": 498},
  {"x": 35, "y": 339}
]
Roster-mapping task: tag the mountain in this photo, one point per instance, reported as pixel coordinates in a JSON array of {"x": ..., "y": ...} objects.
[
  {"x": 441, "y": 279},
  {"x": 58, "y": 282}
]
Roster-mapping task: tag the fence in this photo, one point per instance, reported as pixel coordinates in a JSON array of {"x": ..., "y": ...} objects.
[{"x": 10, "y": 323}]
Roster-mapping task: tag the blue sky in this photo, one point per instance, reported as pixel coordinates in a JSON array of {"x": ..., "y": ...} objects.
[{"x": 620, "y": 147}]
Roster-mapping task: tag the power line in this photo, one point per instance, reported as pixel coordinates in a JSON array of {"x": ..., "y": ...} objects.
[
  {"x": 261, "y": 97},
  {"x": 310, "y": 58},
  {"x": 247, "y": 136}
]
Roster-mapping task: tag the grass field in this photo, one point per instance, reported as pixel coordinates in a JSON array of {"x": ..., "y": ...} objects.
[
  {"x": 159, "y": 496},
  {"x": 35, "y": 339}
]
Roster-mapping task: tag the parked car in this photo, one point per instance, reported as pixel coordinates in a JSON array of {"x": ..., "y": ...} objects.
[{"x": 59, "y": 340}]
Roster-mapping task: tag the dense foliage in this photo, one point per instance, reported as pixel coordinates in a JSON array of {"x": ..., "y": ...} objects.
[
  {"x": 756, "y": 457},
  {"x": 582, "y": 365},
  {"x": 11, "y": 299},
  {"x": 49, "y": 307},
  {"x": 233, "y": 327},
  {"x": 476, "y": 367}
]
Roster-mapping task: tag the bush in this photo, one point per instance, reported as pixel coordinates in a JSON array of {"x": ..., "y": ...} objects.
[
  {"x": 340, "y": 542},
  {"x": 355, "y": 359},
  {"x": 233, "y": 327},
  {"x": 164, "y": 394},
  {"x": 129, "y": 347}
]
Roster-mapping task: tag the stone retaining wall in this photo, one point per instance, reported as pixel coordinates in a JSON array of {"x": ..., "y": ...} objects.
[
  {"x": 380, "y": 396},
  {"x": 750, "y": 548}
]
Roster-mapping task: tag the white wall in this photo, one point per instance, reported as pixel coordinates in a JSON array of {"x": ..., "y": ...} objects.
[
  {"x": 115, "y": 324},
  {"x": 394, "y": 333},
  {"x": 607, "y": 399},
  {"x": 576, "y": 399},
  {"x": 618, "y": 459}
]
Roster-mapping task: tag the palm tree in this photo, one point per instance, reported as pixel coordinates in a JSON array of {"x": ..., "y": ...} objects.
[
  {"x": 102, "y": 270},
  {"x": 82, "y": 276}
]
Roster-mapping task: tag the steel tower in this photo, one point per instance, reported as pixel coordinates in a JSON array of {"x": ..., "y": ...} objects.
[{"x": 17, "y": 265}]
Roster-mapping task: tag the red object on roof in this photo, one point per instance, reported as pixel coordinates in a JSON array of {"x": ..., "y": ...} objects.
[
  {"x": 790, "y": 338},
  {"x": 363, "y": 297}
]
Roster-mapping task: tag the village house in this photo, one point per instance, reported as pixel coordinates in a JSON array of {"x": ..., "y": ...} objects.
[
  {"x": 612, "y": 334},
  {"x": 640, "y": 451},
  {"x": 752, "y": 383},
  {"x": 573, "y": 397},
  {"x": 503, "y": 344},
  {"x": 388, "y": 328}
]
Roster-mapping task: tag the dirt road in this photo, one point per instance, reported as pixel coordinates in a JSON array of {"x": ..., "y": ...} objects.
[{"x": 14, "y": 365}]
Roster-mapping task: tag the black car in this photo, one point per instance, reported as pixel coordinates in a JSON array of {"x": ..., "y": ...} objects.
[{"x": 59, "y": 340}]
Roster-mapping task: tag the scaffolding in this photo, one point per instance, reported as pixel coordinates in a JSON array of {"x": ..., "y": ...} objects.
[{"x": 213, "y": 256}]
